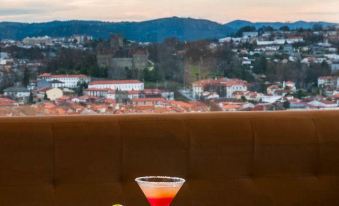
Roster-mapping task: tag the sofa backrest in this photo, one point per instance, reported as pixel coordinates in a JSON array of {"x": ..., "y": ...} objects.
[{"x": 241, "y": 159}]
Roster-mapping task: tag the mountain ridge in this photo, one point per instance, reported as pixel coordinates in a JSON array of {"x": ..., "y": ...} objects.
[{"x": 155, "y": 30}]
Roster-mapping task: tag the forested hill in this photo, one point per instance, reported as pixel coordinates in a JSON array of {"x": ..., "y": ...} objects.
[{"x": 186, "y": 29}]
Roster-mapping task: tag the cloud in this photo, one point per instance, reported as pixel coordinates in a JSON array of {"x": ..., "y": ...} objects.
[
  {"x": 32, "y": 10},
  {"x": 11, "y": 11},
  {"x": 320, "y": 13},
  {"x": 138, "y": 10}
]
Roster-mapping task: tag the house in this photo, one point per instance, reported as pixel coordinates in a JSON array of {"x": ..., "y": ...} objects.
[
  {"x": 156, "y": 93},
  {"x": 94, "y": 92},
  {"x": 281, "y": 89},
  {"x": 42, "y": 83},
  {"x": 249, "y": 35},
  {"x": 69, "y": 81},
  {"x": 297, "y": 104},
  {"x": 57, "y": 84},
  {"x": 230, "y": 106},
  {"x": 234, "y": 85},
  {"x": 198, "y": 89},
  {"x": 167, "y": 95},
  {"x": 54, "y": 94},
  {"x": 84, "y": 99},
  {"x": 5, "y": 102},
  {"x": 290, "y": 86},
  {"x": 210, "y": 95},
  {"x": 37, "y": 41},
  {"x": 253, "y": 96},
  {"x": 288, "y": 49},
  {"x": 271, "y": 98},
  {"x": 327, "y": 81},
  {"x": 226, "y": 87},
  {"x": 335, "y": 67},
  {"x": 149, "y": 102},
  {"x": 323, "y": 104},
  {"x": 122, "y": 85},
  {"x": 133, "y": 94},
  {"x": 17, "y": 92}
]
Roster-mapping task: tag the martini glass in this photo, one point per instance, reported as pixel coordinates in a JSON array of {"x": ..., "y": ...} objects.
[{"x": 160, "y": 190}]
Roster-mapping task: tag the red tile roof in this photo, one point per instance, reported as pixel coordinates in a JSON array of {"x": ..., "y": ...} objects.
[
  {"x": 98, "y": 90},
  {"x": 115, "y": 82},
  {"x": 149, "y": 100},
  {"x": 134, "y": 92},
  {"x": 152, "y": 91},
  {"x": 234, "y": 82},
  {"x": 222, "y": 81},
  {"x": 7, "y": 102}
]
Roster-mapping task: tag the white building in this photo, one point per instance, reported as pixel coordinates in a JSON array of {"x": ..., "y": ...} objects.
[
  {"x": 57, "y": 84},
  {"x": 37, "y": 41},
  {"x": 330, "y": 81},
  {"x": 290, "y": 86},
  {"x": 323, "y": 104},
  {"x": 271, "y": 98},
  {"x": 234, "y": 85},
  {"x": 199, "y": 87},
  {"x": 122, "y": 85},
  {"x": 80, "y": 39},
  {"x": 17, "y": 92},
  {"x": 68, "y": 81},
  {"x": 249, "y": 35},
  {"x": 4, "y": 55},
  {"x": 335, "y": 67},
  {"x": 230, "y": 85},
  {"x": 197, "y": 90},
  {"x": 106, "y": 93}
]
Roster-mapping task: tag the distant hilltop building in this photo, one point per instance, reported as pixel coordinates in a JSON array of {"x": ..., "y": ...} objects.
[
  {"x": 81, "y": 39},
  {"x": 118, "y": 59},
  {"x": 117, "y": 41},
  {"x": 37, "y": 41}
]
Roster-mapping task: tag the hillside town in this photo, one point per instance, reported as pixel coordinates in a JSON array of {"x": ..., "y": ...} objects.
[{"x": 255, "y": 70}]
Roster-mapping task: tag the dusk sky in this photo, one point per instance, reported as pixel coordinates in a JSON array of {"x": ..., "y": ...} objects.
[{"x": 137, "y": 10}]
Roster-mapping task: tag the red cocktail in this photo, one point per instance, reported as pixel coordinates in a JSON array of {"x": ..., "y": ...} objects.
[{"x": 160, "y": 191}]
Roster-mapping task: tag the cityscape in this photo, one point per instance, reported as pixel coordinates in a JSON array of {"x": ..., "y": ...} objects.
[{"x": 252, "y": 69}]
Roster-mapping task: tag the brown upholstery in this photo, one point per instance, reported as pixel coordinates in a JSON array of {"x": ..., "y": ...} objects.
[{"x": 235, "y": 159}]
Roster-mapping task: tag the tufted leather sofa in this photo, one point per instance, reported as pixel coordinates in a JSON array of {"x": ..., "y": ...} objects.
[{"x": 235, "y": 159}]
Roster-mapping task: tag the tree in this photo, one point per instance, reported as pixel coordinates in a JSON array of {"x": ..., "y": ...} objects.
[
  {"x": 286, "y": 104},
  {"x": 151, "y": 75},
  {"x": 245, "y": 29},
  {"x": 284, "y": 28},
  {"x": 318, "y": 27},
  {"x": 81, "y": 86},
  {"x": 30, "y": 98},
  {"x": 315, "y": 71},
  {"x": 300, "y": 94},
  {"x": 260, "y": 65},
  {"x": 266, "y": 29},
  {"x": 121, "y": 96},
  {"x": 25, "y": 80}
]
